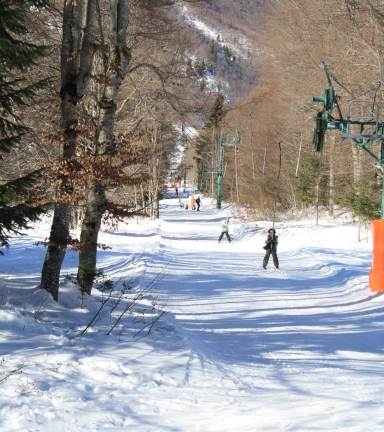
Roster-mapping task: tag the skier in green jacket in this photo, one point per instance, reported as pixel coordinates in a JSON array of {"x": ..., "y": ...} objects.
[{"x": 271, "y": 248}]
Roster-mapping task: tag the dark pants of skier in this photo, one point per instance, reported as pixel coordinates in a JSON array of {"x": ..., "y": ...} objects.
[
  {"x": 198, "y": 206},
  {"x": 221, "y": 236},
  {"x": 274, "y": 256}
]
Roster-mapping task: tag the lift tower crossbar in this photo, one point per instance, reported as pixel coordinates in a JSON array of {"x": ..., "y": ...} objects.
[{"x": 363, "y": 129}]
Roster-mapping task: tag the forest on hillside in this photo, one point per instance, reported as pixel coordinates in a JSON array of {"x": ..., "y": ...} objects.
[
  {"x": 97, "y": 99},
  {"x": 294, "y": 37}
]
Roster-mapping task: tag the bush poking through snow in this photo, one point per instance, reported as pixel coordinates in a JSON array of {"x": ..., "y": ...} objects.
[
  {"x": 120, "y": 303},
  {"x": 4, "y": 376}
]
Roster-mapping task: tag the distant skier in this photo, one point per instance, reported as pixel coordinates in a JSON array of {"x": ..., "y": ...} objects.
[
  {"x": 224, "y": 230},
  {"x": 271, "y": 248},
  {"x": 198, "y": 202},
  {"x": 176, "y": 191}
]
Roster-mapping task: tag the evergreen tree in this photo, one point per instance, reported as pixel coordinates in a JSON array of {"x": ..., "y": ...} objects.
[
  {"x": 216, "y": 113},
  {"x": 208, "y": 137},
  {"x": 200, "y": 66},
  {"x": 311, "y": 187},
  {"x": 190, "y": 67},
  {"x": 227, "y": 52},
  {"x": 203, "y": 84},
  {"x": 363, "y": 199},
  {"x": 306, "y": 181},
  {"x": 16, "y": 55},
  {"x": 213, "y": 52}
]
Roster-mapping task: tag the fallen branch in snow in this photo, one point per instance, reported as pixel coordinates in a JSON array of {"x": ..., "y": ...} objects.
[
  {"x": 18, "y": 370},
  {"x": 140, "y": 296},
  {"x": 104, "y": 302},
  {"x": 28, "y": 387},
  {"x": 36, "y": 309},
  {"x": 114, "y": 299},
  {"x": 154, "y": 318}
]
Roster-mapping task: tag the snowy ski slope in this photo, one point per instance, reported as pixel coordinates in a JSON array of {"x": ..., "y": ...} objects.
[{"x": 241, "y": 348}]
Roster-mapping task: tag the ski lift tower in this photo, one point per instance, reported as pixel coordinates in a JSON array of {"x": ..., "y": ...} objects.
[
  {"x": 363, "y": 126},
  {"x": 224, "y": 142}
]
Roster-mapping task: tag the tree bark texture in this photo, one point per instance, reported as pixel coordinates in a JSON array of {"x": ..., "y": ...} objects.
[
  {"x": 117, "y": 62},
  {"x": 356, "y": 160},
  {"x": 88, "y": 238},
  {"x": 78, "y": 29},
  {"x": 144, "y": 204}
]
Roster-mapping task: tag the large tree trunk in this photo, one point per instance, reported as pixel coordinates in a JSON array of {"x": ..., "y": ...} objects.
[
  {"x": 88, "y": 239},
  {"x": 54, "y": 257},
  {"x": 118, "y": 58},
  {"x": 78, "y": 25}
]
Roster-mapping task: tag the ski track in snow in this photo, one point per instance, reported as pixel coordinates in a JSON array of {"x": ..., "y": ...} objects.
[{"x": 241, "y": 349}]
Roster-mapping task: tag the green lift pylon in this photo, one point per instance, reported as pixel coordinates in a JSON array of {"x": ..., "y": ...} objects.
[
  {"x": 223, "y": 143},
  {"x": 369, "y": 127}
]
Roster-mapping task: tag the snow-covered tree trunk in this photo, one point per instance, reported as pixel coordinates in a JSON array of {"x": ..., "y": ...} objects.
[
  {"x": 118, "y": 58},
  {"x": 78, "y": 29}
]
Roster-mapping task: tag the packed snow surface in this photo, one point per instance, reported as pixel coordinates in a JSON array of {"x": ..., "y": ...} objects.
[{"x": 240, "y": 348}]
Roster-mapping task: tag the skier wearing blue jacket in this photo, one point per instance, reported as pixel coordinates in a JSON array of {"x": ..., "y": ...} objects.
[{"x": 271, "y": 248}]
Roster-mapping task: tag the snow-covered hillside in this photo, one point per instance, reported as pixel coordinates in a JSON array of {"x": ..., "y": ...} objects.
[
  {"x": 224, "y": 54},
  {"x": 241, "y": 348},
  {"x": 220, "y": 34}
]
